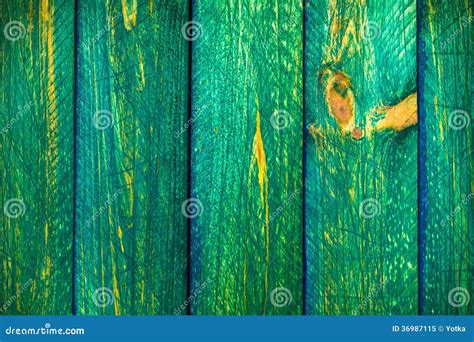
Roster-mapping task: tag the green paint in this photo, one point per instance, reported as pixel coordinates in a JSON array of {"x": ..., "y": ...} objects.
[
  {"x": 246, "y": 212},
  {"x": 36, "y": 148},
  {"x": 447, "y": 36},
  {"x": 247, "y": 241},
  {"x": 132, "y": 171},
  {"x": 361, "y": 195}
]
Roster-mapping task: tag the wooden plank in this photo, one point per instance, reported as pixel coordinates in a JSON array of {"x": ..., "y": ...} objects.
[
  {"x": 131, "y": 239},
  {"x": 361, "y": 157},
  {"x": 446, "y": 103},
  {"x": 36, "y": 164},
  {"x": 246, "y": 179}
]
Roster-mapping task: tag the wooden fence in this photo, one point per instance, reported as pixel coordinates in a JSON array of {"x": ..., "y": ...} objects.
[{"x": 230, "y": 157}]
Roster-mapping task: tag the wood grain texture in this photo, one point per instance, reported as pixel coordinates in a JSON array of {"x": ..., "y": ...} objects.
[
  {"x": 131, "y": 239},
  {"x": 361, "y": 157},
  {"x": 36, "y": 164},
  {"x": 246, "y": 248},
  {"x": 446, "y": 75},
  {"x": 95, "y": 215}
]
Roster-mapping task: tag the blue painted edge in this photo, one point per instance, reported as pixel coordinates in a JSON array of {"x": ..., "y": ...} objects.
[
  {"x": 421, "y": 61},
  {"x": 243, "y": 328},
  {"x": 305, "y": 136},
  {"x": 75, "y": 177}
]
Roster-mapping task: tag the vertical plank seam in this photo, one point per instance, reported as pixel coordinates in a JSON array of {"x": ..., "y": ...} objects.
[
  {"x": 189, "y": 150},
  {"x": 305, "y": 268},
  {"x": 422, "y": 172},
  {"x": 74, "y": 200}
]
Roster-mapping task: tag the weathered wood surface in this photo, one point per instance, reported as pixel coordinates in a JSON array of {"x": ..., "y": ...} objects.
[
  {"x": 36, "y": 164},
  {"x": 361, "y": 157},
  {"x": 95, "y": 169},
  {"x": 446, "y": 102},
  {"x": 132, "y": 165},
  {"x": 246, "y": 149}
]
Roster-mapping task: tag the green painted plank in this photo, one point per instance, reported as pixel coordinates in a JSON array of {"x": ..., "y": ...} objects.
[
  {"x": 131, "y": 238},
  {"x": 361, "y": 157},
  {"x": 36, "y": 164},
  {"x": 246, "y": 178},
  {"x": 447, "y": 103}
]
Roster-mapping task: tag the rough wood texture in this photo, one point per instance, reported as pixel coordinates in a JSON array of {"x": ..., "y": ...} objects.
[
  {"x": 95, "y": 216},
  {"x": 246, "y": 247},
  {"x": 361, "y": 157},
  {"x": 446, "y": 67},
  {"x": 131, "y": 239},
  {"x": 36, "y": 164}
]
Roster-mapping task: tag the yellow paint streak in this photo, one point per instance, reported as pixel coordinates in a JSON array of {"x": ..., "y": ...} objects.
[
  {"x": 433, "y": 41},
  {"x": 116, "y": 292},
  {"x": 317, "y": 136},
  {"x": 129, "y": 14},
  {"x": 119, "y": 232},
  {"x": 328, "y": 238},
  {"x": 259, "y": 158},
  {"x": 227, "y": 308},
  {"x": 46, "y": 233},
  {"x": 109, "y": 216},
  {"x": 141, "y": 80},
  {"x": 440, "y": 122},
  {"x": 47, "y": 35},
  {"x": 245, "y": 280},
  {"x": 33, "y": 289},
  {"x": 52, "y": 117},
  {"x": 115, "y": 287},
  {"x": 351, "y": 192},
  {"x": 129, "y": 182},
  {"x": 44, "y": 7},
  {"x": 151, "y": 7},
  {"x": 29, "y": 29},
  {"x": 48, "y": 103},
  {"x": 45, "y": 276},
  {"x": 335, "y": 50},
  {"x": 102, "y": 268},
  {"x": 48, "y": 266}
]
